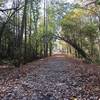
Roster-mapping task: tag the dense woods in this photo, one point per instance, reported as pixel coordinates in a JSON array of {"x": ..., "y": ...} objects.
[
  {"x": 29, "y": 28},
  {"x": 49, "y": 49},
  {"x": 22, "y": 36}
]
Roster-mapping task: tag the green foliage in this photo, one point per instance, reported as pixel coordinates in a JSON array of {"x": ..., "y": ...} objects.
[
  {"x": 83, "y": 32},
  {"x": 98, "y": 2},
  {"x": 28, "y": 34},
  {"x": 90, "y": 30}
]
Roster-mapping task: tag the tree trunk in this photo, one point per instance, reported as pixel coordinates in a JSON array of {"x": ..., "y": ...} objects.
[{"x": 78, "y": 48}]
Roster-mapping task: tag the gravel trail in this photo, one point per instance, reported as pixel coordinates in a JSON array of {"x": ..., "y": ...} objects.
[{"x": 53, "y": 78}]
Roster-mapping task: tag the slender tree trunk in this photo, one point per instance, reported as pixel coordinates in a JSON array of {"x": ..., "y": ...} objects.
[{"x": 19, "y": 59}]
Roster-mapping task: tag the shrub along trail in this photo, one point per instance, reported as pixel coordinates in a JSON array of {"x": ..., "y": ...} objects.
[{"x": 52, "y": 78}]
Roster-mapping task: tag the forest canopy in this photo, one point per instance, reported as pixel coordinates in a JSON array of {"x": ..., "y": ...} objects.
[{"x": 29, "y": 28}]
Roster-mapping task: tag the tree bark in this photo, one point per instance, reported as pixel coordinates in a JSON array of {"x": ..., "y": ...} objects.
[{"x": 78, "y": 48}]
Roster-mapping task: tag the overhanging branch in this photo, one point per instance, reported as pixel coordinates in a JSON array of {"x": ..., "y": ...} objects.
[{"x": 90, "y": 3}]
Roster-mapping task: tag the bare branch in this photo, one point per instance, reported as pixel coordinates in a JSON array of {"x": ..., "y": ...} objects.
[
  {"x": 8, "y": 9},
  {"x": 90, "y": 3}
]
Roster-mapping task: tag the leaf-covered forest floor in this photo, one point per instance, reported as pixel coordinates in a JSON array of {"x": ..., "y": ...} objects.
[{"x": 53, "y": 78}]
